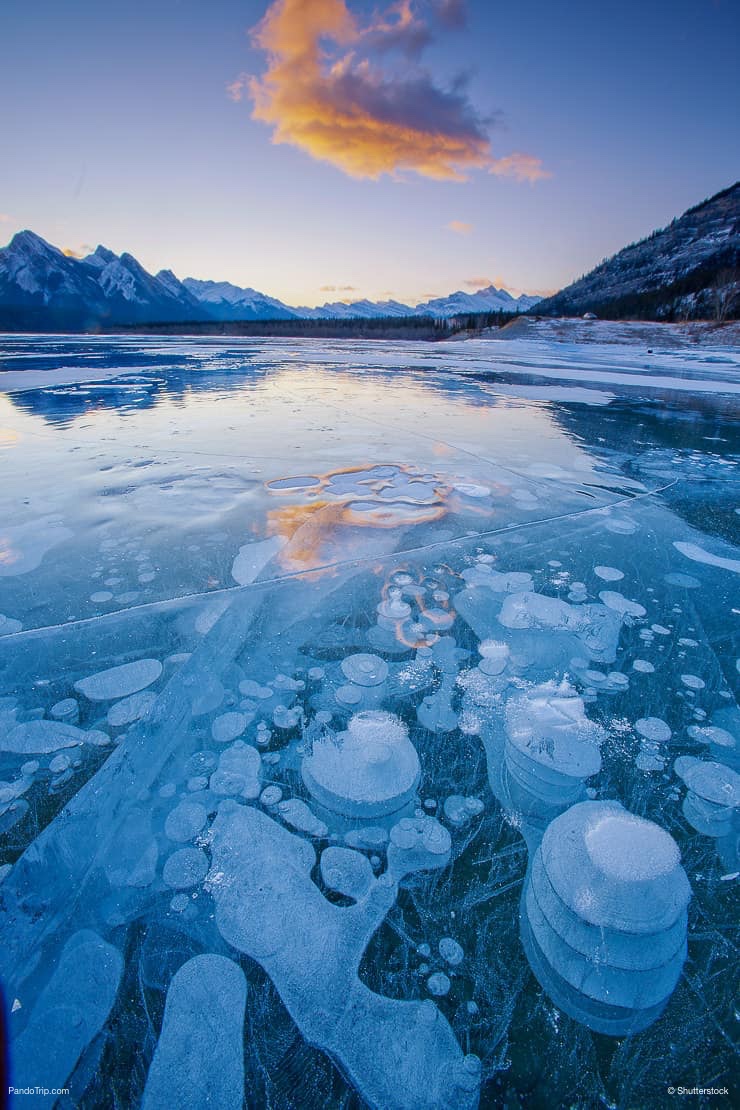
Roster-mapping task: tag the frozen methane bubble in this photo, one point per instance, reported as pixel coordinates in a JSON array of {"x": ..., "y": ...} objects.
[
  {"x": 653, "y": 728},
  {"x": 271, "y": 795},
  {"x": 692, "y": 681},
  {"x": 494, "y": 657},
  {"x": 551, "y": 746},
  {"x": 438, "y": 984},
  {"x": 69, "y": 1011},
  {"x": 185, "y": 868},
  {"x": 41, "y": 738},
  {"x": 66, "y": 710},
  {"x": 228, "y": 726},
  {"x": 451, "y": 952},
  {"x": 459, "y": 810},
  {"x": 119, "y": 682},
  {"x": 365, "y": 670},
  {"x": 417, "y": 844},
  {"x": 622, "y": 605},
  {"x": 713, "y": 795},
  {"x": 596, "y": 626},
  {"x": 644, "y": 666},
  {"x": 347, "y": 872},
  {"x": 396, "y": 1054},
  {"x": 131, "y": 709},
  {"x": 482, "y": 574},
  {"x": 369, "y": 771},
  {"x": 199, "y": 1059},
  {"x": 608, "y": 574},
  {"x": 185, "y": 821},
  {"x": 300, "y": 817},
  {"x": 239, "y": 771},
  {"x": 603, "y": 917}
]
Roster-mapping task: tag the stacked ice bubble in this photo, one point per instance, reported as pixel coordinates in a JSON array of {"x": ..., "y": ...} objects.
[
  {"x": 713, "y": 795},
  {"x": 603, "y": 917},
  {"x": 550, "y": 749}
]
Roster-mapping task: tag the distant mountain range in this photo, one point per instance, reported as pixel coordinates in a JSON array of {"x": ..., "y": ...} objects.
[
  {"x": 44, "y": 289},
  {"x": 688, "y": 270}
]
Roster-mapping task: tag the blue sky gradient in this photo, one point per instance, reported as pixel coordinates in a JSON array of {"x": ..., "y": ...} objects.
[{"x": 117, "y": 127}]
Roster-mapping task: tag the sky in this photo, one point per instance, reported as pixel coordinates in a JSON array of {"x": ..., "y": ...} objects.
[{"x": 338, "y": 149}]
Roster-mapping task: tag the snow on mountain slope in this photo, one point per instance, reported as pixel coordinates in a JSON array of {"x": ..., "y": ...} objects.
[
  {"x": 41, "y": 288},
  {"x": 685, "y": 270},
  {"x": 230, "y": 302}
]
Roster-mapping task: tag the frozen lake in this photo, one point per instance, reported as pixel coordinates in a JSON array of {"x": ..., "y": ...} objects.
[{"x": 368, "y": 721}]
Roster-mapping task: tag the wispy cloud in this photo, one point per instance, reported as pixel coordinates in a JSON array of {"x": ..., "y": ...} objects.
[
  {"x": 522, "y": 167},
  {"x": 238, "y": 87},
  {"x": 338, "y": 289},
  {"x": 459, "y": 227},
  {"x": 482, "y": 282},
  {"x": 4, "y": 218},
  {"x": 329, "y": 91}
]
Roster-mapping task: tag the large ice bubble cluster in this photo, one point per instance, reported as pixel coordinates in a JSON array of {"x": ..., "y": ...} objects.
[
  {"x": 397, "y": 1054},
  {"x": 603, "y": 917}
]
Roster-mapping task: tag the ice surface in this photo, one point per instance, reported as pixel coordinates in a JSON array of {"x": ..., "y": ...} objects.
[{"x": 443, "y": 570}]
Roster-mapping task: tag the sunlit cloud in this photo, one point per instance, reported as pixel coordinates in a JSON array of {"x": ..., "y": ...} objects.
[
  {"x": 338, "y": 289},
  {"x": 326, "y": 92},
  {"x": 4, "y": 218},
  {"x": 399, "y": 29},
  {"x": 482, "y": 282},
  {"x": 78, "y": 252},
  {"x": 459, "y": 227},
  {"x": 522, "y": 167}
]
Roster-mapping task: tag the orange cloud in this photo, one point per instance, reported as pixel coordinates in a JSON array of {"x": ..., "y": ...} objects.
[
  {"x": 481, "y": 282},
  {"x": 322, "y": 94},
  {"x": 523, "y": 167},
  {"x": 77, "y": 252},
  {"x": 459, "y": 227},
  {"x": 4, "y": 218}
]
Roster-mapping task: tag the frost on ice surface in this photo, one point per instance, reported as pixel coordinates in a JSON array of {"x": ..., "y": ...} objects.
[{"x": 348, "y": 757}]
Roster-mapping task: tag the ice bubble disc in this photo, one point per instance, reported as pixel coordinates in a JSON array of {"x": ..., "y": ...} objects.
[
  {"x": 653, "y": 728},
  {"x": 364, "y": 669},
  {"x": 438, "y": 984},
  {"x": 629, "y": 849}
]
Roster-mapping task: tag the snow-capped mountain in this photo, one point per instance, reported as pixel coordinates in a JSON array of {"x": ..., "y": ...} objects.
[
  {"x": 688, "y": 269},
  {"x": 225, "y": 301},
  {"x": 43, "y": 289},
  {"x": 489, "y": 299}
]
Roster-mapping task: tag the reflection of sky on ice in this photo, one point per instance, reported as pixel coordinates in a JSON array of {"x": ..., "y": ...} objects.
[{"x": 279, "y": 545}]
